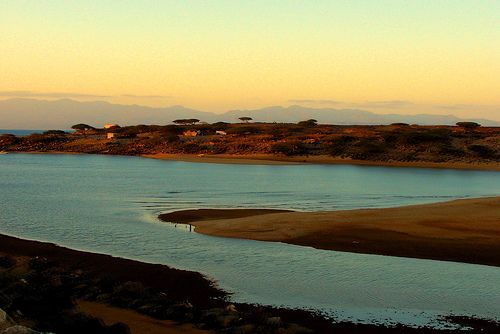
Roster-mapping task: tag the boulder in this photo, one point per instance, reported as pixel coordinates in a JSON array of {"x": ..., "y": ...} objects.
[
  {"x": 5, "y": 321},
  {"x": 273, "y": 321}
]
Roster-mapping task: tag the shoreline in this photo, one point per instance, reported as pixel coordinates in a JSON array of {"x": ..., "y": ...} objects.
[
  {"x": 161, "y": 299},
  {"x": 464, "y": 230},
  {"x": 177, "y": 282},
  {"x": 271, "y": 159},
  {"x": 157, "y": 296}
]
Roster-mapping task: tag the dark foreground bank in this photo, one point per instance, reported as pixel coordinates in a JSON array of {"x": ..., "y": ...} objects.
[{"x": 52, "y": 288}]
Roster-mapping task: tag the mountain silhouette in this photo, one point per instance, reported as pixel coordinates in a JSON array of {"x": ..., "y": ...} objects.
[{"x": 24, "y": 113}]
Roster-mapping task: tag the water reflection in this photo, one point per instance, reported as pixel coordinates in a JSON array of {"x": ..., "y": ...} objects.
[{"x": 110, "y": 204}]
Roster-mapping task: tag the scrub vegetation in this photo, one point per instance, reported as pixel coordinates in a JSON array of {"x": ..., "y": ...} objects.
[{"x": 466, "y": 142}]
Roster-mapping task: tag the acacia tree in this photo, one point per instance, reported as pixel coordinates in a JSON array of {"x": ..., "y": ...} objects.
[
  {"x": 245, "y": 119},
  {"x": 468, "y": 125},
  {"x": 186, "y": 121},
  {"x": 82, "y": 127},
  {"x": 309, "y": 123}
]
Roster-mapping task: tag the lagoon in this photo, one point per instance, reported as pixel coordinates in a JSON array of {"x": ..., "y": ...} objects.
[{"x": 109, "y": 204}]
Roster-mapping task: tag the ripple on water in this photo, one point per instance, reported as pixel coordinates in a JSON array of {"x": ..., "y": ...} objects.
[{"x": 109, "y": 205}]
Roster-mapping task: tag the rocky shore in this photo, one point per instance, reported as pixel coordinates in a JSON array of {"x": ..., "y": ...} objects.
[{"x": 53, "y": 289}]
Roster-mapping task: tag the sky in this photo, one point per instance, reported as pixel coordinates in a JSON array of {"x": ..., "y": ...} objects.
[{"x": 405, "y": 56}]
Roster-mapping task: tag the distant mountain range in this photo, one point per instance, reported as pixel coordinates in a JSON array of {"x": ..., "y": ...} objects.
[{"x": 62, "y": 114}]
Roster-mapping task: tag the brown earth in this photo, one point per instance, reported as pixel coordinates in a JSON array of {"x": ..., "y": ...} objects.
[
  {"x": 137, "y": 323},
  {"x": 461, "y": 230}
]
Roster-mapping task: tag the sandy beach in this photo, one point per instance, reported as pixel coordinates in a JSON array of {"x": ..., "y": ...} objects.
[
  {"x": 466, "y": 230},
  {"x": 273, "y": 159},
  {"x": 137, "y": 323}
]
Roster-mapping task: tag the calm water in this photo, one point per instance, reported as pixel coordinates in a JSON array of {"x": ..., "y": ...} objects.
[{"x": 109, "y": 205}]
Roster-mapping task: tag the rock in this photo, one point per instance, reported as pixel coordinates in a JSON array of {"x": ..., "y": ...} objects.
[
  {"x": 226, "y": 320},
  {"x": 5, "y": 321},
  {"x": 231, "y": 308},
  {"x": 273, "y": 321},
  {"x": 103, "y": 297},
  {"x": 214, "y": 312},
  {"x": 19, "y": 330}
]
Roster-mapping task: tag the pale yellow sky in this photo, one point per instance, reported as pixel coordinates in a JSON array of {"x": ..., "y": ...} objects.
[{"x": 221, "y": 55}]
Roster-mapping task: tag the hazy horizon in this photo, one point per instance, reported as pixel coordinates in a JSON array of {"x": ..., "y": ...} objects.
[
  {"x": 377, "y": 107},
  {"x": 29, "y": 113},
  {"x": 438, "y": 57}
]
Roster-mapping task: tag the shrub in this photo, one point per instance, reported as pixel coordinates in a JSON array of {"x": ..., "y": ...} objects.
[
  {"x": 190, "y": 147},
  {"x": 218, "y": 148},
  {"x": 219, "y": 126},
  {"x": 54, "y": 132},
  {"x": 171, "y": 129},
  {"x": 429, "y": 136},
  {"x": 340, "y": 145},
  {"x": 245, "y": 119},
  {"x": 277, "y": 131},
  {"x": 8, "y": 140},
  {"x": 171, "y": 138},
  {"x": 243, "y": 130},
  {"x": 309, "y": 123},
  {"x": 289, "y": 148},
  {"x": 367, "y": 148},
  {"x": 468, "y": 125},
  {"x": 206, "y": 129},
  {"x": 38, "y": 138},
  {"x": 482, "y": 151},
  {"x": 243, "y": 147},
  {"x": 82, "y": 127},
  {"x": 451, "y": 150},
  {"x": 186, "y": 121}
]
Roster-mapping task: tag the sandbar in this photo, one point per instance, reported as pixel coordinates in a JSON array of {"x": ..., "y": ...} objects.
[{"x": 464, "y": 230}]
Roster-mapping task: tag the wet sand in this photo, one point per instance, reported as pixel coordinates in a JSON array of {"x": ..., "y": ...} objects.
[
  {"x": 461, "y": 230},
  {"x": 272, "y": 159},
  {"x": 138, "y": 323},
  {"x": 188, "y": 216}
]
